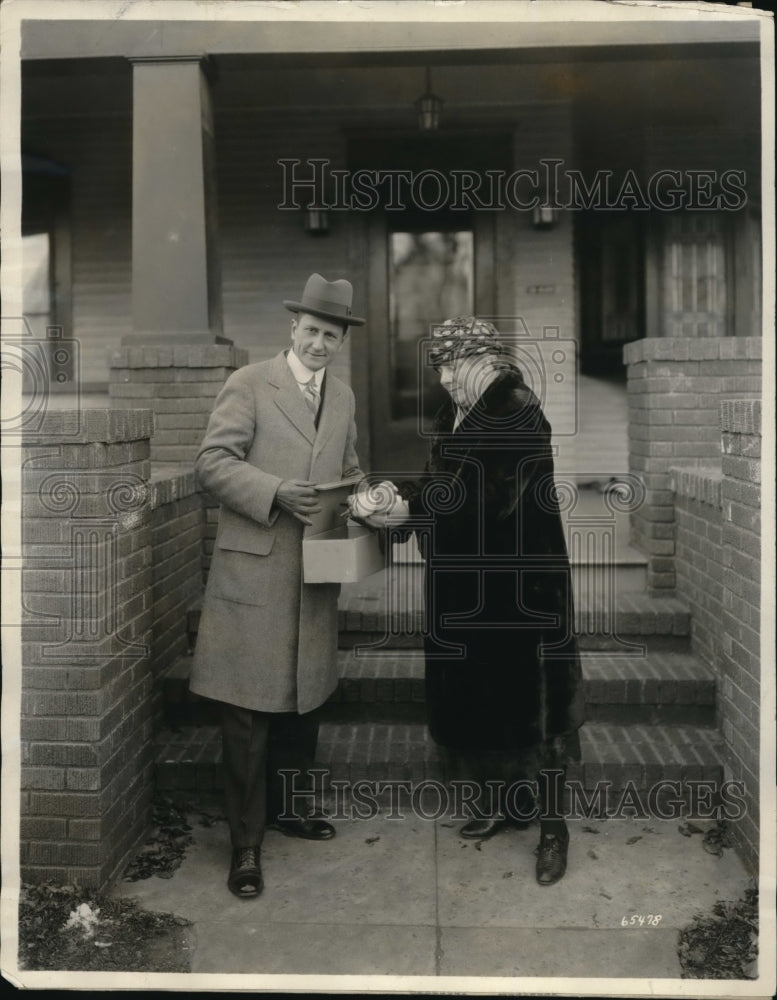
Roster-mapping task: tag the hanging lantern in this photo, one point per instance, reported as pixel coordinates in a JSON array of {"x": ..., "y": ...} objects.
[
  {"x": 316, "y": 221},
  {"x": 428, "y": 107}
]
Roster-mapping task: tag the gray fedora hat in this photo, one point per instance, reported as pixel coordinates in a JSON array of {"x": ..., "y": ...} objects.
[{"x": 327, "y": 299}]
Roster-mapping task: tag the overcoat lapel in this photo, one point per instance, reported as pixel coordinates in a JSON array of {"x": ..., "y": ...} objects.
[{"x": 290, "y": 400}]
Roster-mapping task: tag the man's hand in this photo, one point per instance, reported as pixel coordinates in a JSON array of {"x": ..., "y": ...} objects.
[{"x": 299, "y": 497}]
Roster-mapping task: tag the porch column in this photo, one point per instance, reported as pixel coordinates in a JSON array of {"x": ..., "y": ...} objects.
[
  {"x": 175, "y": 360},
  {"x": 176, "y": 280}
]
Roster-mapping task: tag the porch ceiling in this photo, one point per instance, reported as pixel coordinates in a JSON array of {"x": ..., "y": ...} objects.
[
  {"x": 708, "y": 86},
  {"x": 426, "y": 30}
]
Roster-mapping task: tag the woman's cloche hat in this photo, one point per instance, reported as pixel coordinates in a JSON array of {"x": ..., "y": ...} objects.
[{"x": 326, "y": 299}]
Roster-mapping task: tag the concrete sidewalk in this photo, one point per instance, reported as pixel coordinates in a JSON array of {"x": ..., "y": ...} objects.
[{"x": 410, "y": 897}]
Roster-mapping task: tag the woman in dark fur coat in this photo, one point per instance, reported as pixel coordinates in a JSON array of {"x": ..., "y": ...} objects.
[{"x": 503, "y": 680}]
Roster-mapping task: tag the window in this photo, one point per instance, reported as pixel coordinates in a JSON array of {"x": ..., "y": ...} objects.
[{"x": 696, "y": 285}]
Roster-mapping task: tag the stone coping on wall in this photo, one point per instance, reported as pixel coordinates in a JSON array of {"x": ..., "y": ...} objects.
[
  {"x": 692, "y": 349},
  {"x": 740, "y": 416},
  {"x": 702, "y": 484},
  {"x": 170, "y": 482},
  {"x": 179, "y": 356},
  {"x": 93, "y": 426}
]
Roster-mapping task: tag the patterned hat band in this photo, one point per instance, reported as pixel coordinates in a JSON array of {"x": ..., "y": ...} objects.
[{"x": 462, "y": 337}]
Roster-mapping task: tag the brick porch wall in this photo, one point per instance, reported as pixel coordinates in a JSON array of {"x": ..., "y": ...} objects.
[
  {"x": 87, "y": 759},
  {"x": 674, "y": 389},
  {"x": 177, "y": 524},
  {"x": 699, "y": 555},
  {"x": 718, "y": 565},
  {"x": 739, "y": 700}
]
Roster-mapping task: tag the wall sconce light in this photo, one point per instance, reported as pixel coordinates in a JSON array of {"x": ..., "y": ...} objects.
[
  {"x": 429, "y": 107},
  {"x": 316, "y": 221},
  {"x": 544, "y": 216}
]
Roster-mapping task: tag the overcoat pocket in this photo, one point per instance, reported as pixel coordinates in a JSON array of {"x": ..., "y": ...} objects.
[
  {"x": 246, "y": 538},
  {"x": 240, "y": 577}
]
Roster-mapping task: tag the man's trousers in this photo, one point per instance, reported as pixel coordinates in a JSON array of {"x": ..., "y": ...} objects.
[{"x": 255, "y": 746}]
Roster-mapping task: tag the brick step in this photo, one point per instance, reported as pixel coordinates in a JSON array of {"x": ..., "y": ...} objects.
[
  {"x": 656, "y": 688},
  {"x": 389, "y": 687},
  {"x": 189, "y": 759},
  {"x": 629, "y": 620}
]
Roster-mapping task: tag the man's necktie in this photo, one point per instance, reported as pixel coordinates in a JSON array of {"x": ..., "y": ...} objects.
[{"x": 312, "y": 397}]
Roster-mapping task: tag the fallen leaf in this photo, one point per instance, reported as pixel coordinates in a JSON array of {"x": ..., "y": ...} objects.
[{"x": 633, "y": 840}]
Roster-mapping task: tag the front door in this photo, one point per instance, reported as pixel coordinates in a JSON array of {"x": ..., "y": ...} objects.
[
  {"x": 421, "y": 273},
  {"x": 423, "y": 267}
]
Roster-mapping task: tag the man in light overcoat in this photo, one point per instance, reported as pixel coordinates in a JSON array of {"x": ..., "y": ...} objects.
[{"x": 267, "y": 641}]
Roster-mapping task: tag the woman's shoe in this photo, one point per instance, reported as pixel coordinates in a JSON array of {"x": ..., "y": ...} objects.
[{"x": 482, "y": 829}]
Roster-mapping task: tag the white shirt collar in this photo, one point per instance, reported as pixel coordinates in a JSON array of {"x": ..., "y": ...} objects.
[{"x": 301, "y": 373}]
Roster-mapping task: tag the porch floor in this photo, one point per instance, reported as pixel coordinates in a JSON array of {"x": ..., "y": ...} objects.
[{"x": 411, "y": 898}]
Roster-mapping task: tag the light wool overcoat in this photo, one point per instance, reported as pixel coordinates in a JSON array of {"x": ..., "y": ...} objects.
[{"x": 267, "y": 641}]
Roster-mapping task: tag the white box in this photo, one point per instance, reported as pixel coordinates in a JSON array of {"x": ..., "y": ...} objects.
[{"x": 343, "y": 555}]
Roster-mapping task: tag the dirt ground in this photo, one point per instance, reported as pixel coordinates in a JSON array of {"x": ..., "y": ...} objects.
[{"x": 74, "y": 929}]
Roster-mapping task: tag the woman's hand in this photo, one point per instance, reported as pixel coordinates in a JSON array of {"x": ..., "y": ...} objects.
[
  {"x": 379, "y": 505},
  {"x": 398, "y": 514}
]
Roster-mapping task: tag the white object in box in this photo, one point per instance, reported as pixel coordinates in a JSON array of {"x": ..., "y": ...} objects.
[{"x": 343, "y": 555}]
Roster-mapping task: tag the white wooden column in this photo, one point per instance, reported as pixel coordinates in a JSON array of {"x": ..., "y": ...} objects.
[{"x": 176, "y": 280}]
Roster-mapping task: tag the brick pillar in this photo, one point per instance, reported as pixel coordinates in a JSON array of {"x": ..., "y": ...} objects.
[
  {"x": 179, "y": 384},
  {"x": 86, "y": 780},
  {"x": 674, "y": 388},
  {"x": 739, "y": 693}
]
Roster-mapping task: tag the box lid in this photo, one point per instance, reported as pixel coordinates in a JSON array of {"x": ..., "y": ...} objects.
[{"x": 332, "y": 497}]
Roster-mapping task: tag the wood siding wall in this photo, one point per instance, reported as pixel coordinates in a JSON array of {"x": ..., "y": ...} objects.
[{"x": 98, "y": 152}]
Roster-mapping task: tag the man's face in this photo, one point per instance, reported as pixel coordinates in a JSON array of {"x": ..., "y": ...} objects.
[{"x": 316, "y": 341}]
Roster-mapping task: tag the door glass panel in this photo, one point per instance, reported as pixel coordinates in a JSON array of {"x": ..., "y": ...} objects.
[
  {"x": 431, "y": 277},
  {"x": 695, "y": 277}
]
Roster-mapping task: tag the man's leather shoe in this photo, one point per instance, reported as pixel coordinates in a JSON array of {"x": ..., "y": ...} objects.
[
  {"x": 482, "y": 829},
  {"x": 245, "y": 874},
  {"x": 552, "y": 857},
  {"x": 307, "y": 829}
]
